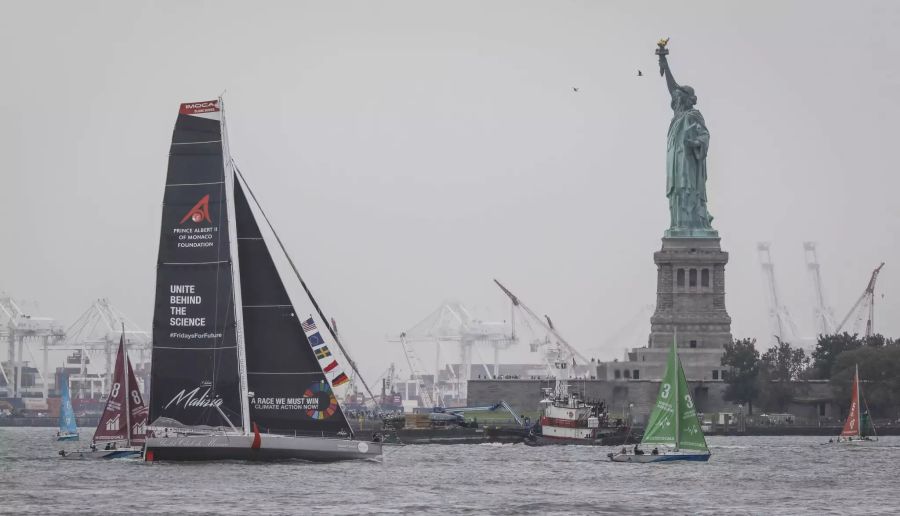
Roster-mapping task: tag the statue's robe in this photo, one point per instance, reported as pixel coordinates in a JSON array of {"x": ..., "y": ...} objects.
[{"x": 686, "y": 171}]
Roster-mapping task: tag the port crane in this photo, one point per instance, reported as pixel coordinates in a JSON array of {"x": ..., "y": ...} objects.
[
  {"x": 783, "y": 327},
  {"x": 454, "y": 323},
  {"x": 863, "y": 309},
  {"x": 23, "y": 331},
  {"x": 559, "y": 356},
  {"x": 823, "y": 316}
]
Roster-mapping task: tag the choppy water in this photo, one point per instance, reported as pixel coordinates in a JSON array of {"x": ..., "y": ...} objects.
[{"x": 746, "y": 475}]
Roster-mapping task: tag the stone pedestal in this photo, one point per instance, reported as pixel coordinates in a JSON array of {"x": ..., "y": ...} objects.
[{"x": 690, "y": 297}]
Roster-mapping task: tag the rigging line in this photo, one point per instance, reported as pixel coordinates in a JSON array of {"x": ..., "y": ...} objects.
[
  {"x": 196, "y": 143},
  {"x": 298, "y": 372},
  {"x": 217, "y": 348},
  {"x": 305, "y": 288},
  {"x": 194, "y": 263},
  {"x": 195, "y": 184}
]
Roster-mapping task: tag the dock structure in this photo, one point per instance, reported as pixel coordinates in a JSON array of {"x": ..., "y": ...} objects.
[{"x": 91, "y": 339}]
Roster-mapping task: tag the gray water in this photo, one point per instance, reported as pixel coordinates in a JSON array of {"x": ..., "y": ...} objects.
[{"x": 746, "y": 475}]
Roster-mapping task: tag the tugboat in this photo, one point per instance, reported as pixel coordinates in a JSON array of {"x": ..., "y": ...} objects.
[{"x": 567, "y": 417}]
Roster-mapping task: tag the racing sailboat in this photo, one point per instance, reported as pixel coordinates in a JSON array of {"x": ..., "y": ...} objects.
[
  {"x": 237, "y": 372},
  {"x": 858, "y": 427},
  {"x": 122, "y": 426},
  {"x": 68, "y": 431},
  {"x": 673, "y": 428}
]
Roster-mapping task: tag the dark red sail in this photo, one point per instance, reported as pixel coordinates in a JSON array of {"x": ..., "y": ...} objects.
[{"x": 124, "y": 405}]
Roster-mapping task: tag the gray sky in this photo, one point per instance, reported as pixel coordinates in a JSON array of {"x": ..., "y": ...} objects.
[{"x": 416, "y": 150}]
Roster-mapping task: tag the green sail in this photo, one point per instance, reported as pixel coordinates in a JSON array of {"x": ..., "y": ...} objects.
[
  {"x": 662, "y": 427},
  {"x": 690, "y": 435}
]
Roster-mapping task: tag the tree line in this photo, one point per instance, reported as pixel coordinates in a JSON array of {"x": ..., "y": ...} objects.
[{"x": 765, "y": 380}]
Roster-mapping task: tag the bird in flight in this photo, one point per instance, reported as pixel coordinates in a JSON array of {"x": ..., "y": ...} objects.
[
  {"x": 575, "y": 89},
  {"x": 640, "y": 73}
]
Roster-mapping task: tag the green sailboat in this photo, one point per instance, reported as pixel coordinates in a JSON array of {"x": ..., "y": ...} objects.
[{"x": 673, "y": 429}]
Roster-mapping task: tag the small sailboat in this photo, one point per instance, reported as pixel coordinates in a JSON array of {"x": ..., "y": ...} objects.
[
  {"x": 673, "y": 429},
  {"x": 122, "y": 426},
  {"x": 68, "y": 431},
  {"x": 237, "y": 372},
  {"x": 858, "y": 428}
]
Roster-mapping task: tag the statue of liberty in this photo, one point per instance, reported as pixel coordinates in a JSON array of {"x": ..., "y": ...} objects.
[{"x": 688, "y": 144}]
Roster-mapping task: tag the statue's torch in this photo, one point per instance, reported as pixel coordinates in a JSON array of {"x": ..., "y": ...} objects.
[{"x": 662, "y": 52}]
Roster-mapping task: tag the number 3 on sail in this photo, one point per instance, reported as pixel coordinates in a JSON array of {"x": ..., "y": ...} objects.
[{"x": 673, "y": 428}]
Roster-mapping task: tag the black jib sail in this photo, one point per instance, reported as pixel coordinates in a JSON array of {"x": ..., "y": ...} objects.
[
  {"x": 195, "y": 378},
  {"x": 288, "y": 391}
]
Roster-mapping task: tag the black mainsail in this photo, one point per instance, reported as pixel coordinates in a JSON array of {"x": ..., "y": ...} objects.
[
  {"x": 195, "y": 378},
  {"x": 238, "y": 372},
  {"x": 288, "y": 390}
]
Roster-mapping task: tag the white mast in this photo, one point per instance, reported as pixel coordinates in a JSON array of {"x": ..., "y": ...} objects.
[
  {"x": 235, "y": 276},
  {"x": 127, "y": 390},
  {"x": 677, "y": 381},
  {"x": 858, "y": 419}
]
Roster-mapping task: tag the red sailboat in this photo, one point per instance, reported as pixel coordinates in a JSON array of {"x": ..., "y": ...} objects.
[
  {"x": 122, "y": 427},
  {"x": 858, "y": 427}
]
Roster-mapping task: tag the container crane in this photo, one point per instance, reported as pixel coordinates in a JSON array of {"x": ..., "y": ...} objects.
[
  {"x": 863, "y": 309},
  {"x": 452, "y": 322},
  {"x": 559, "y": 355},
  {"x": 823, "y": 317},
  {"x": 783, "y": 327}
]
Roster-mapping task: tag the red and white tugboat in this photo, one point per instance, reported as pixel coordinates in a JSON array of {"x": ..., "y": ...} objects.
[{"x": 567, "y": 418}]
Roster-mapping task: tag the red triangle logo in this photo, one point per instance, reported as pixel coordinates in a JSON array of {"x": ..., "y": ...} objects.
[{"x": 199, "y": 212}]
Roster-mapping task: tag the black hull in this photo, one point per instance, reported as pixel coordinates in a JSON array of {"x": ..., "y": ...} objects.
[
  {"x": 242, "y": 454},
  {"x": 272, "y": 448}
]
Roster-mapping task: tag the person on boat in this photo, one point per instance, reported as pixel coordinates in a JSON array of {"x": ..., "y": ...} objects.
[
  {"x": 637, "y": 450},
  {"x": 93, "y": 446},
  {"x": 655, "y": 451}
]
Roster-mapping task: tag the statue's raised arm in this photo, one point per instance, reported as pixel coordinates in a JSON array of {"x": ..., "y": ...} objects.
[
  {"x": 686, "y": 151},
  {"x": 664, "y": 69}
]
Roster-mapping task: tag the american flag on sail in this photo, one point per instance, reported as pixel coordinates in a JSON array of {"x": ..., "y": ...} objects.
[{"x": 308, "y": 325}]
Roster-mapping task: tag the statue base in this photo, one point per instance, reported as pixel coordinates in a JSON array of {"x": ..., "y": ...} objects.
[
  {"x": 691, "y": 233},
  {"x": 690, "y": 300}
]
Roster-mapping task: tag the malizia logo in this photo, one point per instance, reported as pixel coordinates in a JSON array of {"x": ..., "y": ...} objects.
[
  {"x": 199, "y": 212},
  {"x": 195, "y": 399}
]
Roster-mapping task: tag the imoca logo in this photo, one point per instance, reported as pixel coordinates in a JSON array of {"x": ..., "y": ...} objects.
[{"x": 199, "y": 212}]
